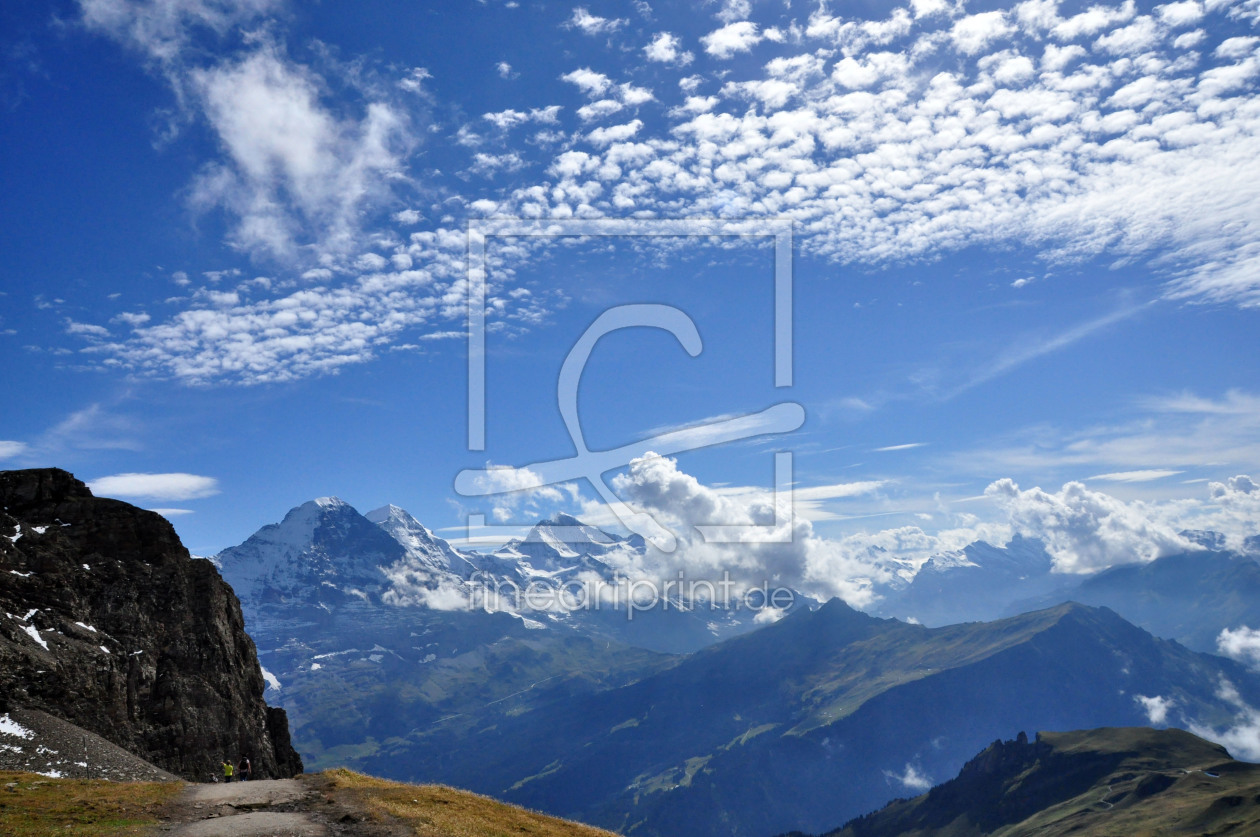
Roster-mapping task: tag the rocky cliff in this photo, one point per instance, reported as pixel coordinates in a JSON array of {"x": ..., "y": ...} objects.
[{"x": 107, "y": 622}]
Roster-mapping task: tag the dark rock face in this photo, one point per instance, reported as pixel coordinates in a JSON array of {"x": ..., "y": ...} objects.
[{"x": 108, "y": 623}]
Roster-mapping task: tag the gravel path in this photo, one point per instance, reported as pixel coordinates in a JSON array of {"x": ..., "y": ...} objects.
[
  {"x": 256, "y": 824},
  {"x": 265, "y": 808}
]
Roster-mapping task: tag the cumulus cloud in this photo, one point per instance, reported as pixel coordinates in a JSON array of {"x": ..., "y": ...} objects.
[
  {"x": 1243, "y": 738},
  {"x": 1241, "y": 644},
  {"x": 758, "y": 539},
  {"x": 1156, "y": 708},
  {"x": 594, "y": 24},
  {"x": 1235, "y": 509},
  {"x": 732, "y": 38},
  {"x": 175, "y": 486},
  {"x": 1085, "y": 531},
  {"x": 666, "y": 48},
  {"x": 588, "y": 81}
]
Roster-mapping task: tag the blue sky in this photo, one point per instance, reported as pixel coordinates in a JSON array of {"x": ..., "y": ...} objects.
[{"x": 1027, "y": 248}]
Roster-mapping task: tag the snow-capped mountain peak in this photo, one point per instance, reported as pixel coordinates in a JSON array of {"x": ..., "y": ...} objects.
[
  {"x": 420, "y": 543},
  {"x": 562, "y": 542},
  {"x": 323, "y": 543}
]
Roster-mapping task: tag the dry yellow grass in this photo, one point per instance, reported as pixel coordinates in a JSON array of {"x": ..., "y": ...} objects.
[
  {"x": 36, "y": 806},
  {"x": 440, "y": 811}
]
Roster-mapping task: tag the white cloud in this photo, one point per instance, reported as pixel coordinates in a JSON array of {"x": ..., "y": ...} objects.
[
  {"x": 1236, "y": 47},
  {"x": 1241, "y": 644},
  {"x": 295, "y": 173},
  {"x": 86, "y": 329},
  {"x": 599, "y": 109},
  {"x": 911, "y": 778},
  {"x": 907, "y": 446},
  {"x": 588, "y": 81},
  {"x": 614, "y": 133},
  {"x": 162, "y": 28},
  {"x": 666, "y": 48},
  {"x": 176, "y": 486},
  {"x": 1176, "y": 15},
  {"x": 632, "y": 95},
  {"x": 513, "y": 488},
  {"x": 1085, "y": 531},
  {"x": 1156, "y": 708},
  {"x": 973, "y": 33},
  {"x": 132, "y": 319},
  {"x": 733, "y": 38},
  {"x": 10, "y": 449},
  {"x": 1145, "y": 475},
  {"x": 504, "y": 69},
  {"x": 843, "y": 489},
  {"x": 783, "y": 549},
  {"x": 1243, "y": 738},
  {"x": 928, "y": 134},
  {"x": 593, "y": 24},
  {"x": 734, "y": 10}
]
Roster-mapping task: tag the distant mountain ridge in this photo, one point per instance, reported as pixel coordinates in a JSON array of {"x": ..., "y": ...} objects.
[
  {"x": 820, "y": 716},
  {"x": 1100, "y": 781}
]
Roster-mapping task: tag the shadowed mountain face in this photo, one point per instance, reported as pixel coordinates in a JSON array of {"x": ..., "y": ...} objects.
[
  {"x": 1101, "y": 781},
  {"x": 1189, "y": 597},
  {"x": 106, "y": 622},
  {"x": 819, "y": 717}
]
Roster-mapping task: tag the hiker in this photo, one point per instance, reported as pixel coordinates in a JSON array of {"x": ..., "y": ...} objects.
[
  {"x": 227, "y": 771},
  {"x": 245, "y": 770}
]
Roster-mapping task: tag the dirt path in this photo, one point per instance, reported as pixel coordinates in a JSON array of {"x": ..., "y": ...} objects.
[{"x": 266, "y": 808}]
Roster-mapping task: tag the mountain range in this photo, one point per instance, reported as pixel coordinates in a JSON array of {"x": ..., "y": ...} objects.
[{"x": 379, "y": 639}]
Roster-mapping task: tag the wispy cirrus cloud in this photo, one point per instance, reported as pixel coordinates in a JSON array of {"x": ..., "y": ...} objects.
[
  {"x": 11, "y": 449},
  {"x": 1145, "y": 475},
  {"x": 1170, "y": 434}
]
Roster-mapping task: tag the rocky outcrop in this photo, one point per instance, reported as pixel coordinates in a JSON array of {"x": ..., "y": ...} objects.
[{"x": 108, "y": 623}]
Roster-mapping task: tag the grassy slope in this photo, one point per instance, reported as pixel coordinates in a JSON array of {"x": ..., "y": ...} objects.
[
  {"x": 1144, "y": 783},
  {"x": 1193, "y": 802},
  {"x": 36, "y": 806},
  {"x": 439, "y": 811}
]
